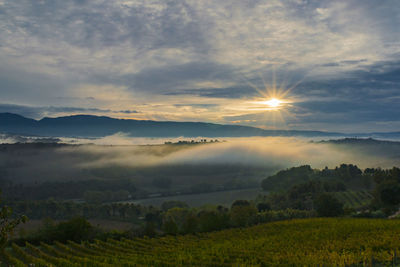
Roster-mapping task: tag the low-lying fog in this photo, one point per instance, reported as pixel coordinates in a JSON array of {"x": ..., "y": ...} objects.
[{"x": 118, "y": 152}]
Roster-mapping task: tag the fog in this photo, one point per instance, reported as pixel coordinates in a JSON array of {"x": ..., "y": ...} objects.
[
  {"x": 123, "y": 156},
  {"x": 256, "y": 151}
]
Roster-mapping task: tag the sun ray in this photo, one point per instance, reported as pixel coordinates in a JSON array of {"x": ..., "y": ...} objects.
[{"x": 254, "y": 87}]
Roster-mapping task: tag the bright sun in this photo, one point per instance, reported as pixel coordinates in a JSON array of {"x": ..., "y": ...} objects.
[{"x": 273, "y": 102}]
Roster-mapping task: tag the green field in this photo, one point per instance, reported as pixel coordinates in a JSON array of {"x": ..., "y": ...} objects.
[
  {"x": 354, "y": 199},
  {"x": 303, "y": 242}
]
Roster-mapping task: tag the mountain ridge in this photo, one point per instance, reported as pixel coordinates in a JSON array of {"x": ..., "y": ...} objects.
[{"x": 83, "y": 125}]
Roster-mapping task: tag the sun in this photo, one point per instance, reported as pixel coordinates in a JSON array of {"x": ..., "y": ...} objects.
[
  {"x": 270, "y": 104},
  {"x": 273, "y": 102}
]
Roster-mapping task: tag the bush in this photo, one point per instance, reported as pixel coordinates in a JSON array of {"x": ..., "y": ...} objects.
[
  {"x": 263, "y": 206},
  {"x": 76, "y": 229},
  {"x": 167, "y": 205},
  {"x": 243, "y": 215},
  {"x": 328, "y": 206}
]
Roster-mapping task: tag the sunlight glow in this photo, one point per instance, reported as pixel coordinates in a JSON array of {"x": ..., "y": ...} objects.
[{"x": 273, "y": 102}]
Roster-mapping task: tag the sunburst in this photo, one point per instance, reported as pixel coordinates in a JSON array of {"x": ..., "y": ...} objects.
[{"x": 273, "y": 101}]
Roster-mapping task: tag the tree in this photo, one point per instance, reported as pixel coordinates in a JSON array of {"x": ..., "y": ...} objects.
[
  {"x": 170, "y": 227},
  {"x": 240, "y": 202},
  {"x": 263, "y": 206},
  {"x": 8, "y": 225},
  {"x": 213, "y": 220},
  {"x": 328, "y": 206},
  {"x": 389, "y": 192},
  {"x": 167, "y": 205},
  {"x": 174, "y": 220},
  {"x": 190, "y": 224},
  {"x": 75, "y": 229},
  {"x": 242, "y": 213}
]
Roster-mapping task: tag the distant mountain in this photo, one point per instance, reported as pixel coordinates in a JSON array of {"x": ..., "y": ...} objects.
[
  {"x": 382, "y": 149},
  {"x": 99, "y": 126},
  {"x": 360, "y": 141}
]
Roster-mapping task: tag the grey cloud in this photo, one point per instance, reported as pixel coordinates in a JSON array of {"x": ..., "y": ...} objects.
[
  {"x": 175, "y": 47},
  {"x": 228, "y": 92},
  {"x": 108, "y": 23},
  {"x": 171, "y": 79},
  {"x": 346, "y": 111},
  {"x": 352, "y": 62},
  {"x": 367, "y": 95},
  {"x": 35, "y": 87},
  {"x": 128, "y": 111},
  {"x": 332, "y": 64},
  {"x": 363, "y": 83},
  {"x": 197, "y": 105},
  {"x": 344, "y": 62},
  {"x": 40, "y": 112}
]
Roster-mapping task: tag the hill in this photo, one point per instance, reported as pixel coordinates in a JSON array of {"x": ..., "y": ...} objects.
[
  {"x": 99, "y": 126},
  {"x": 343, "y": 176},
  {"x": 305, "y": 242}
]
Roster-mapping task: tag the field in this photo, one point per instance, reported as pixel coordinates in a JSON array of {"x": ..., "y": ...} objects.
[
  {"x": 306, "y": 242},
  {"x": 197, "y": 200},
  {"x": 354, "y": 199}
]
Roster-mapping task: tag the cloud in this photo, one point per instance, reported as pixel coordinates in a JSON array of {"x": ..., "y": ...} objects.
[
  {"x": 228, "y": 92},
  {"x": 128, "y": 55},
  {"x": 40, "y": 112},
  {"x": 197, "y": 105},
  {"x": 176, "y": 77}
]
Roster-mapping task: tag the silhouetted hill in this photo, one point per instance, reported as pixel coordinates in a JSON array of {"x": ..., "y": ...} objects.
[
  {"x": 368, "y": 146},
  {"x": 99, "y": 126},
  {"x": 360, "y": 141}
]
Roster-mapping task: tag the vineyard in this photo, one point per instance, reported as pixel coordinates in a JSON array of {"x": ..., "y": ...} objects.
[
  {"x": 354, "y": 199},
  {"x": 305, "y": 242}
]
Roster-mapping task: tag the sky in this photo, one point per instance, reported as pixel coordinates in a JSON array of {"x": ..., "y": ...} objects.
[{"x": 333, "y": 65}]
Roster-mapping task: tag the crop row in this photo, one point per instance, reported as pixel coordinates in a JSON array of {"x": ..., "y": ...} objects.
[{"x": 305, "y": 242}]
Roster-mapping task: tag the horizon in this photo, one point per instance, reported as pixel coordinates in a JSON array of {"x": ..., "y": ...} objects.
[
  {"x": 283, "y": 65},
  {"x": 345, "y": 134}
]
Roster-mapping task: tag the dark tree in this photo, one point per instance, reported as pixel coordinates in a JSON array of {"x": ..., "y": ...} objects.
[
  {"x": 328, "y": 206},
  {"x": 240, "y": 203},
  {"x": 263, "y": 206},
  {"x": 242, "y": 213},
  {"x": 389, "y": 192}
]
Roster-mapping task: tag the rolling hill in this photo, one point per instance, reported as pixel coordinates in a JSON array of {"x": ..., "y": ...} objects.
[{"x": 99, "y": 126}]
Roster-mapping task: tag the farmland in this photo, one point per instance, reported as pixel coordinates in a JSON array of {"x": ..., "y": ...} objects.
[
  {"x": 306, "y": 242},
  {"x": 354, "y": 199}
]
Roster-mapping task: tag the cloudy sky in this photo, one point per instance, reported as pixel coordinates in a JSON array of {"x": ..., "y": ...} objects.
[{"x": 335, "y": 65}]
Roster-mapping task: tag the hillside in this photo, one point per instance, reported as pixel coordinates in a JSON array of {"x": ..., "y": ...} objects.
[
  {"x": 96, "y": 126},
  {"x": 305, "y": 242},
  {"x": 343, "y": 176}
]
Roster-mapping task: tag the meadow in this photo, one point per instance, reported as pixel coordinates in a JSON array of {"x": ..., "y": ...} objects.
[{"x": 300, "y": 242}]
